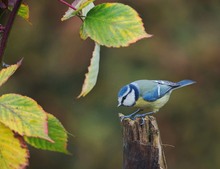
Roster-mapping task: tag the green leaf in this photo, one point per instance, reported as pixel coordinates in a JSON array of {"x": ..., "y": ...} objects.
[
  {"x": 22, "y": 12},
  {"x": 7, "y": 72},
  {"x": 114, "y": 25},
  {"x": 93, "y": 70},
  {"x": 23, "y": 115},
  {"x": 56, "y": 132},
  {"x": 83, "y": 33},
  {"x": 13, "y": 150},
  {"x": 85, "y": 10}
]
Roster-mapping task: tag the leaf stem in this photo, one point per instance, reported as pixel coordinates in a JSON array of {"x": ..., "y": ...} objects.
[
  {"x": 67, "y": 4},
  {"x": 8, "y": 28}
]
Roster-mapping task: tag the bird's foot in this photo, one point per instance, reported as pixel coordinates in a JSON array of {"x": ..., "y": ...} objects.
[
  {"x": 130, "y": 116},
  {"x": 142, "y": 116},
  {"x": 125, "y": 117}
]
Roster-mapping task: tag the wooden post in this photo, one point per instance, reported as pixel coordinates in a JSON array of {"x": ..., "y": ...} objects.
[{"x": 142, "y": 147}]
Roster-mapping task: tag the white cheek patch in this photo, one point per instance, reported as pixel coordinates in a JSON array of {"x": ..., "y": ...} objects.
[
  {"x": 130, "y": 99},
  {"x": 120, "y": 99}
]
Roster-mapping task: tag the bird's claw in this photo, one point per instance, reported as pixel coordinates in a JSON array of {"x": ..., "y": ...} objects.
[
  {"x": 122, "y": 118},
  {"x": 142, "y": 116},
  {"x": 143, "y": 121},
  {"x": 126, "y": 117},
  {"x": 133, "y": 116},
  {"x": 130, "y": 116}
]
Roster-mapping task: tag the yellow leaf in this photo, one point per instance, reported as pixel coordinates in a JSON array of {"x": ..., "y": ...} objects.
[
  {"x": 13, "y": 151},
  {"x": 93, "y": 70},
  {"x": 5, "y": 73},
  {"x": 23, "y": 115},
  {"x": 114, "y": 25}
]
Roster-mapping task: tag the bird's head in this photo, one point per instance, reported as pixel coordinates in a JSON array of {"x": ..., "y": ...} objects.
[{"x": 128, "y": 95}]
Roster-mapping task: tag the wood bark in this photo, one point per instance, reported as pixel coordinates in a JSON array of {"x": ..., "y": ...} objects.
[{"x": 142, "y": 146}]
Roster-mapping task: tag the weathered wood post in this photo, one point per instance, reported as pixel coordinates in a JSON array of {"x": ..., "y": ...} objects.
[{"x": 142, "y": 147}]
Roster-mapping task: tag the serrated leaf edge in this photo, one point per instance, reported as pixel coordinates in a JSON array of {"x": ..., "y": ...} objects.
[{"x": 45, "y": 125}]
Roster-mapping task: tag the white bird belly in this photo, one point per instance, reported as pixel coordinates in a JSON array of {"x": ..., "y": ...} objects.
[{"x": 152, "y": 106}]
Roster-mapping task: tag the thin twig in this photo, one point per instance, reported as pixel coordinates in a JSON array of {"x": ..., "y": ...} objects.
[
  {"x": 8, "y": 28},
  {"x": 67, "y": 4}
]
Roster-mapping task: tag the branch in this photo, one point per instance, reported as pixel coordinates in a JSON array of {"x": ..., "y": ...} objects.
[
  {"x": 67, "y": 4},
  {"x": 142, "y": 147},
  {"x": 8, "y": 28}
]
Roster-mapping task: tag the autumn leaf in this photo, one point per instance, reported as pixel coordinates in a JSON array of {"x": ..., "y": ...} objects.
[
  {"x": 13, "y": 150},
  {"x": 93, "y": 70},
  {"x": 114, "y": 25},
  {"x": 24, "y": 116},
  {"x": 6, "y": 73},
  {"x": 56, "y": 132}
]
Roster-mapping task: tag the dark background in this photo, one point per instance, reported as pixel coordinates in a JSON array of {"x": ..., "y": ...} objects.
[{"x": 185, "y": 45}]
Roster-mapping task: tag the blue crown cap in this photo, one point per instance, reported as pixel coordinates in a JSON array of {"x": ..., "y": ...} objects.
[{"x": 122, "y": 91}]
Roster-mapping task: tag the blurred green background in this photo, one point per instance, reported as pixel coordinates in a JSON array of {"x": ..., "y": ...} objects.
[{"x": 185, "y": 45}]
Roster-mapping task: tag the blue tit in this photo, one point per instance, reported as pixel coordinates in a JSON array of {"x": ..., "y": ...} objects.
[{"x": 148, "y": 95}]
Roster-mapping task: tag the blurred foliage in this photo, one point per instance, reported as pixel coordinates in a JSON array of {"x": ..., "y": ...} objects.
[{"x": 185, "y": 45}]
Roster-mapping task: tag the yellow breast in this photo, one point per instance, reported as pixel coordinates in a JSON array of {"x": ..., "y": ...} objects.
[{"x": 152, "y": 106}]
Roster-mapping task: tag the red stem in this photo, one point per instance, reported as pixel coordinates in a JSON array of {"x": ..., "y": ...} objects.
[
  {"x": 67, "y": 4},
  {"x": 8, "y": 27}
]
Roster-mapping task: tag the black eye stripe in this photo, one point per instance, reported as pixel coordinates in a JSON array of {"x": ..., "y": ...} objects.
[{"x": 124, "y": 97}]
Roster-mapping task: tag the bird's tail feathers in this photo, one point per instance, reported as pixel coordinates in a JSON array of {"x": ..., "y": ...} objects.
[{"x": 183, "y": 83}]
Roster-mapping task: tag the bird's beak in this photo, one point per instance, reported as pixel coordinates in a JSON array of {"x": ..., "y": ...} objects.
[{"x": 119, "y": 104}]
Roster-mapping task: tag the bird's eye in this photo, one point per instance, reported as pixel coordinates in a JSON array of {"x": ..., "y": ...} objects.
[{"x": 123, "y": 99}]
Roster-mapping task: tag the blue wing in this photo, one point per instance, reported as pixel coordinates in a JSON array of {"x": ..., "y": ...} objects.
[{"x": 160, "y": 89}]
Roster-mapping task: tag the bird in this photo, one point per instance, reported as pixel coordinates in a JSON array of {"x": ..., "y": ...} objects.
[{"x": 147, "y": 95}]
